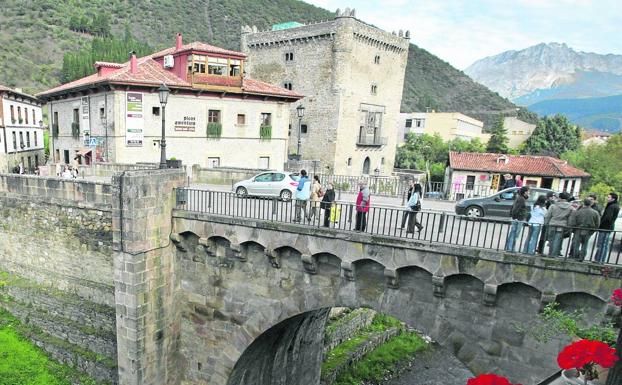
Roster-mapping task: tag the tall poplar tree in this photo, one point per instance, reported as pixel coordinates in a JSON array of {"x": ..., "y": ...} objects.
[{"x": 498, "y": 142}]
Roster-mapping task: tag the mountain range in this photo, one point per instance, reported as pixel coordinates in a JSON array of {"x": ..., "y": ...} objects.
[
  {"x": 35, "y": 34},
  {"x": 553, "y": 78}
]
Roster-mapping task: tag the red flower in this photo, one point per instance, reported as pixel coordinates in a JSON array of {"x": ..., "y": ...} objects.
[
  {"x": 584, "y": 354},
  {"x": 489, "y": 379},
  {"x": 616, "y": 297}
]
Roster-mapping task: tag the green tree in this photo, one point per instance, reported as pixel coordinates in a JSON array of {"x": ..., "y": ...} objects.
[
  {"x": 498, "y": 142},
  {"x": 553, "y": 136}
]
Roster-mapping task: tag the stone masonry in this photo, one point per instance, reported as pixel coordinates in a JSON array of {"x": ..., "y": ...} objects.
[{"x": 335, "y": 64}]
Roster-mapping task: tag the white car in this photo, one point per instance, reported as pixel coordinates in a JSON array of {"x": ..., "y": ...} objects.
[{"x": 269, "y": 184}]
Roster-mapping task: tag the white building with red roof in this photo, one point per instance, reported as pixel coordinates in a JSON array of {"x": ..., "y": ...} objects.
[
  {"x": 474, "y": 174},
  {"x": 114, "y": 115},
  {"x": 21, "y": 133}
]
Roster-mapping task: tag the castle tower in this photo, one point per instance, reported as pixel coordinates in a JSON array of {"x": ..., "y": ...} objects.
[{"x": 351, "y": 74}]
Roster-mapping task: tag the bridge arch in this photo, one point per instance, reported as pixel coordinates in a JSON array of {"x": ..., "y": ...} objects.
[{"x": 466, "y": 303}]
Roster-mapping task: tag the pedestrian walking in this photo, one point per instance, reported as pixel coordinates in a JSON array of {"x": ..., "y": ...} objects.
[
  {"x": 327, "y": 203},
  {"x": 607, "y": 225},
  {"x": 536, "y": 223},
  {"x": 584, "y": 222},
  {"x": 413, "y": 207},
  {"x": 519, "y": 216},
  {"x": 411, "y": 186},
  {"x": 362, "y": 206},
  {"x": 303, "y": 193},
  {"x": 316, "y": 196},
  {"x": 557, "y": 221}
]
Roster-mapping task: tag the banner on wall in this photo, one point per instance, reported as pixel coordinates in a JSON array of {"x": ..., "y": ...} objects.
[
  {"x": 134, "y": 119},
  {"x": 85, "y": 124}
]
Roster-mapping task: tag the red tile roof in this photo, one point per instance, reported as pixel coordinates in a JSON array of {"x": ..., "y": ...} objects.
[
  {"x": 198, "y": 46},
  {"x": 516, "y": 164},
  {"x": 262, "y": 88}
]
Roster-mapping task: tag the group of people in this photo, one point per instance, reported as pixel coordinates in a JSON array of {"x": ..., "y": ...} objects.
[
  {"x": 553, "y": 218},
  {"x": 320, "y": 199},
  {"x": 509, "y": 182},
  {"x": 66, "y": 171}
]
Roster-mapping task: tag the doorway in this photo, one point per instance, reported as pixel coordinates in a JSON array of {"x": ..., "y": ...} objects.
[
  {"x": 547, "y": 183},
  {"x": 366, "y": 166}
]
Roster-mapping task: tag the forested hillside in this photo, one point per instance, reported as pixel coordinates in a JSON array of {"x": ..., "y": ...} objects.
[{"x": 35, "y": 35}]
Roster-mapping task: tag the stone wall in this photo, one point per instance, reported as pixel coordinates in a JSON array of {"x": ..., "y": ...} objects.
[
  {"x": 56, "y": 243},
  {"x": 344, "y": 327},
  {"x": 222, "y": 175}
]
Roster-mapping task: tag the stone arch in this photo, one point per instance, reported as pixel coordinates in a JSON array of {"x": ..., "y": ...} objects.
[
  {"x": 249, "y": 249},
  {"x": 589, "y": 303},
  {"x": 286, "y": 256},
  {"x": 366, "y": 166},
  {"x": 327, "y": 264}
]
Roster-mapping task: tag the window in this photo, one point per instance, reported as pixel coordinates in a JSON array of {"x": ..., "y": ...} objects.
[
  {"x": 12, "y": 115},
  {"x": 19, "y": 114},
  {"x": 55, "y": 121},
  {"x": 303, "y": 128},
  {"x": 382, "y": 160},
  {"x": 409, "y": 123},
  {"x": 289, "y": 56},
  {"x": 21, "y": 139},
  {"x": 374, "y": 89},
  {"x": 35, "y": 133},
  {"x": 66, "y": 156},
  {"x": 277, "y": 176},
  {"x": 36, "y": 160},
  {"x": 470, "y": 182},
  {"x": 26, "y": 114},
  {"x": 288, "y": 85},
  {"x": 217, "y": 66},
  {"x": 267, "y": 177},
  {"x": 102, "y": 113},
  {"x": 419, "y": 123},
  {"x": 350, "y": 161},
  {"x": 266, "y": 119},
  {"x": 241, "y": 119},
  {"x": 28, "y": 139},
  {"x": 377, "y": 59},
  {"x": 155, "y": 111},
  {"x": 34, "y": 121},
  {"x": 14, "y": 140},
  {"x": 196, "y": 64},
  {"x": 234, "y": 67},
  {"x": 213, "y": 116},
  {"x": 76, "y": 115},
  {"x": 264, "y": 162},
  {"x": 213, "y": 162}
]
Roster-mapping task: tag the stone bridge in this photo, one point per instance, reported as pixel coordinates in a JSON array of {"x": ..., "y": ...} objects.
[{"x": 134, "y": 291}]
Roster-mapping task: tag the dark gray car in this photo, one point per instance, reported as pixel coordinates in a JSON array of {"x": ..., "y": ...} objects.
[{"x": 497, "y": 205}]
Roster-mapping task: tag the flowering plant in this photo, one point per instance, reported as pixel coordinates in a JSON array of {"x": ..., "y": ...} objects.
[
  {"x": 616, "y": 297},
  {"x": 489, "y": 379},
  {"x": 584, "y": 355}
]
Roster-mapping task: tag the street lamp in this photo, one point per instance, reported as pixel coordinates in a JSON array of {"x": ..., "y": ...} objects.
[
  {"x": 163, "y": 91},
  {"x": 300, "y": 110}
]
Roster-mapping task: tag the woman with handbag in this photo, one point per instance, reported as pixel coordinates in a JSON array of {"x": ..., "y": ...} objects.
[
  {"x": 327, "y": 202},
  {"x": 412, "y": 207}
]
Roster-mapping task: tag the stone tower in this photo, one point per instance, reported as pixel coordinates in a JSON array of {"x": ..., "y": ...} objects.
[{"x": 351, "y": 74}]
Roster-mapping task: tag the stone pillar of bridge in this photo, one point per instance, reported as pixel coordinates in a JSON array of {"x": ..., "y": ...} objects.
[{"x": 146, "y": 286}]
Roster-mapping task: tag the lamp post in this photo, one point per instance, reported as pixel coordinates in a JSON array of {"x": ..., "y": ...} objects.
[
  {"x": 163, "y": 91},
  {"x": 300, "y": 110}
]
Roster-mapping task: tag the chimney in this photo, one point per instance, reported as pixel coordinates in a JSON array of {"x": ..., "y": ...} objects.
[
  {"x": 178, "y": 42},
  {"x": 133, "y": 63}
]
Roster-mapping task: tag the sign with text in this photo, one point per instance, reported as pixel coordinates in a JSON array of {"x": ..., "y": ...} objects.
[
  {"x": 134, "y": 119},
  {"x": 85, "y": 124},
  {"x": 188, "y": 123}
]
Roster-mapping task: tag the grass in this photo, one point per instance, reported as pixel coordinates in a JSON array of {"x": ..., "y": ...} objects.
[
  {"x": 382, "y": 359},
  {"x": 21, "y": 363}
]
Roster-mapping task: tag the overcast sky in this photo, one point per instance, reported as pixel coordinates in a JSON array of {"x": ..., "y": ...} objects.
[{"x": 461, "y": 32}]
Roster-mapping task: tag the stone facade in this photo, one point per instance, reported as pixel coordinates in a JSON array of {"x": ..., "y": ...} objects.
[
  {"x": 240, "y": 278},
  {"x": 21, "y": 133},
  {"x": 352, "y": 76}
]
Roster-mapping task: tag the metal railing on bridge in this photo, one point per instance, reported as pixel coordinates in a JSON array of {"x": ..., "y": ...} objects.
[{"x": 436, "y": 227}]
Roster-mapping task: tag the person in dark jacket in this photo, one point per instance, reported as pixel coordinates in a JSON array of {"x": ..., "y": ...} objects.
[
  {"x": 411, "y": 186},
  {"x": 519, "y": 217},
  {"x": 327, "y": 203},
  {"x": 557, "y": 221},
  {"x": 607, "y": 224},
  {"x": 550, "y": 199},
  {"x": 508, "y": 182},
  {"x": 584, "y": 222},
  {"x": 595, "y": 204}
]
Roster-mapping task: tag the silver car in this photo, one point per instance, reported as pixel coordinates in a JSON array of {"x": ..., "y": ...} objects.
[{"x": 269, "y": 184}]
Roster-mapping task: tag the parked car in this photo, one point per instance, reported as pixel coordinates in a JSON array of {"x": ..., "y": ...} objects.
[
  {"x": 269, "y": 184},
  {"x": 496, "y": 205}
]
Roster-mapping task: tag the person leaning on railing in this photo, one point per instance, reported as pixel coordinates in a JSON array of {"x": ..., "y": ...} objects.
[
  {"x": 557, "y": 221},
  {"x": 519, "y": 214},
  {"x": 584, "y": 222},
  {"x": 536, "y": 222},
  {"x": 327, "y": 202},
  {"x": 607, "y": 225}
]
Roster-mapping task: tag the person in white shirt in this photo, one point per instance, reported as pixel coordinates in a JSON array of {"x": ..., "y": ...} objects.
[{"x": 67, "y": 173}]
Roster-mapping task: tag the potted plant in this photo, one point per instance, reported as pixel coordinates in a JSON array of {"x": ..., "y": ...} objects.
[
  {"x": 173, "y": 163},
  {"x": 489, "y": 379},
  {"x": 214, "y": 130},
  {"x": 580, "y": 358}
]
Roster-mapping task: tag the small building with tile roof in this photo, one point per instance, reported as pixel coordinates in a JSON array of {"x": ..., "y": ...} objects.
[
  {"x": 21, "y": 131},
  {"x": 473, "y": 174},
  {"x": 215, "y": 116}
]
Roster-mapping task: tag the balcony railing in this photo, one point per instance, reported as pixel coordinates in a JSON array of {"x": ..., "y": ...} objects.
[{"x": 371, "y": 141}]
